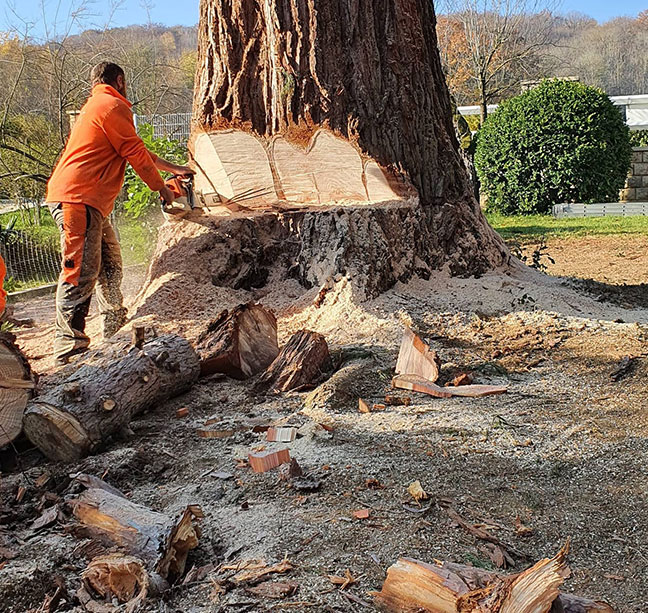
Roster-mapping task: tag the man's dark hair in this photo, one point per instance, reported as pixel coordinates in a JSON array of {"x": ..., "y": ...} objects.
[{"x": 105, "y": 72}]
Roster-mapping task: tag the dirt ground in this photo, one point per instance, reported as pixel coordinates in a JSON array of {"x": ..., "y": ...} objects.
[{"x": 564, "y": 451}]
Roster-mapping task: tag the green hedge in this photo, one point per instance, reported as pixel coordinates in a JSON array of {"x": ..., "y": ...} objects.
[{"x": 560, "y": 142}]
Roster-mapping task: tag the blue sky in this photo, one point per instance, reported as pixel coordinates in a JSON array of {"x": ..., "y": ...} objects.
[{"x": 18, "y": 13}]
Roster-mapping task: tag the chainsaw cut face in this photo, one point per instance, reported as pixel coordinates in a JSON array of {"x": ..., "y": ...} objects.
[{"x": 235, "y": 165}]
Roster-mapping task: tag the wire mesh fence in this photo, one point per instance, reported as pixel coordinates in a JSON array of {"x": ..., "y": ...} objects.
[
  {"x": 174, "y": 125},
  {"x": 29, "y": 263}
]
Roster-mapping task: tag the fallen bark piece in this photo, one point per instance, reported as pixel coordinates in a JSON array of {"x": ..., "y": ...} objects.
[
  {"x": 270, "y": 589},
  {"x": 254, "y": 571},
  {"x": 397, "y": 401},
  {"x": 418, "y": 384},
  {"x": 107, "y": 394},
  {"x": 263, "y": 461},
  {"x": 302, "y": 362},
  {"x": 16, "y": 389},
  {"x": 48, "y": 517},
  {"x": 362, "y": 514},
  {"x": 416, "y": 358},
  {"x": 281, "y": 435},
  {"x": 464, "y": 378},
  {"x": 444, "y": 587},
  {"x": 343, "y": 582},
  {"x": 160, "y": 541},
  {"x": 290, "y": 470},
  {"x": 183, "y": 412},
  {"x": 240, "y": 343},
  {"x": 378, "y": 407}
]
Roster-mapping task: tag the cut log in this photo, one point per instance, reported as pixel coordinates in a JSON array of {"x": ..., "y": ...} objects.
[
  {"x": 416, "y": 358},
  {"x": 418, "y": 384},
  {"x": 302, "y": 362},
  {"x": 74, "y": 417},
  {"x": 240, "y": 343},
  {"x": 413, "y": 586},
  {"x": 17, "y": 385},
  {"x": 161, "y": 542}
]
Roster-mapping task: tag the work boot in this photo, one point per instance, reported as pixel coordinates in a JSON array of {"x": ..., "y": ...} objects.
[
  {"x": 113, "y": 321},
  {"x": 64, "y": 359}
]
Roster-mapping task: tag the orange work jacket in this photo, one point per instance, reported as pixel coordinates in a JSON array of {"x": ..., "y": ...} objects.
[{"x": 103, "y": 139}]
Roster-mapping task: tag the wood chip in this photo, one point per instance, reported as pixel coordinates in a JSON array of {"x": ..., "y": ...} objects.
[
  {"x": 362, "y": 514},
  {"x": 417, "y": 492},
  {"x": 270, "y": 589},
  {"x": 417, "y": 384},
  {"x": 345, "y": 581},
  {"x": 281, "y": 435},
  {"x": 183, "y": 412},
  {"x": 264, "y": 461},
  {"x": 363, "y": 407}
]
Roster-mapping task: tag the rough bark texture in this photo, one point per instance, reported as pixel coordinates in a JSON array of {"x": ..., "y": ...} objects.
[
  {"x": 74, "y": 417},
  {"x": 285, "y": 90},
  {"x": 240, "y": 343},
  {"x": 413, "y": 586},
  {"x": 302, "y": 362},
  {"x": 16, "y": 389}
]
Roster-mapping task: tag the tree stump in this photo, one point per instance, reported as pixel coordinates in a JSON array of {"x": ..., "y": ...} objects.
[
  {"x": 17, "y": 385},
  {"x": 324, "y": 147},
  {"x": 74, "y": 417}
]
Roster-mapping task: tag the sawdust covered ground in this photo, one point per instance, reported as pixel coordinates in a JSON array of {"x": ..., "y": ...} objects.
[{"x": 564, "y": 451}]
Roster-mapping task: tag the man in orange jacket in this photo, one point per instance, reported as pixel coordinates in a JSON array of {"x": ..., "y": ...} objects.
[{"x": 81, "y": 193}]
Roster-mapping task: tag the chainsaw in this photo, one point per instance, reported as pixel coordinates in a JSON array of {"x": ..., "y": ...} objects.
[{"x": 183, "y": 196}]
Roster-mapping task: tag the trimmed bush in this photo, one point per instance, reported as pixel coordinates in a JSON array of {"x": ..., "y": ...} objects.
[{"x": 560, "y": 142}]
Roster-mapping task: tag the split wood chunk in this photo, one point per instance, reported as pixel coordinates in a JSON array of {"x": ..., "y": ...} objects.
[
  {"x": 416, "y": 358},
  {"x": 66, "y": 427},
  {"x": 281, "y": 435},
  {"x": 302, "y": 362},
  {"x": 240, "y": 343},
  {"x": 363, "y": 407},
  {"x": 412, "y": 585},
  {"x": 418, "y": 384},
  {"x": 263, "y": 461},
  {"x": 17, "y": 385},
  {"x": 122, "y": 577},
  {"x": 161, "y": 542}
]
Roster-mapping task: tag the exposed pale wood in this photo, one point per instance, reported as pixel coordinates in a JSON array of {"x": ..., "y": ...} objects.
[
  {"x": 418, "y": 384},
  {"x": 239, "y": 343},
  {"x": 16, "y": 389},
  {"x": 161, "y": 542},
  {"x": 415, "y": 357},
  {"x": 75, "y": 416},
  {"x": 412, "y": 586},
  {"x": 303, "y": 361}
]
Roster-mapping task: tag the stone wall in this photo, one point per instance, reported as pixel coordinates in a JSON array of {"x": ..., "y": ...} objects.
[{"x": 636, "y": 189}]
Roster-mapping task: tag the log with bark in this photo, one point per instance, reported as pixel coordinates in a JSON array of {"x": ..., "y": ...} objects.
[
  {"x": 302, "y": 362},
  {"x": 74, "y": 417},
  {"x": 240, "y": 343},
  {"x": 343, "y": 147},
  {"x": 17, "y": 385},
  {"x": 159, "y": 541},
  {"x": 414, "y": 586}
]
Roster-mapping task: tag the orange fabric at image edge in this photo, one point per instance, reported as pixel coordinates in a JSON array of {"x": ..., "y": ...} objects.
[{"x": 3, "y": 294}]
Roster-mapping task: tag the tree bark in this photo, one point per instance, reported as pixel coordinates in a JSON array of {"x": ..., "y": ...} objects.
[
  {"x": 240, "y": 343},
  {"x": 302, "y": 362},
  {"x": 17, "y": 385},
  {"x": 75, "y": 416},
  {"x": 450, "y": 588},
  {"x": 334, "y": 120}
]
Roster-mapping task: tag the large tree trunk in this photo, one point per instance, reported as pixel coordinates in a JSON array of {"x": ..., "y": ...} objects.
[{"x": 334, "y": 120}]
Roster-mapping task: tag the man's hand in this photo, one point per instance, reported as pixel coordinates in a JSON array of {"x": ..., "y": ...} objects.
[{"x": 167, "y": 195}]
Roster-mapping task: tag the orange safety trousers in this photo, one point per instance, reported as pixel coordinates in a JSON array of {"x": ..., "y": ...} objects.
[{"x": 90, "y": 256}]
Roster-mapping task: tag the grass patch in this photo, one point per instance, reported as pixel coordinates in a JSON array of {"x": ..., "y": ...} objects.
[{"x": 533, "y": 227}]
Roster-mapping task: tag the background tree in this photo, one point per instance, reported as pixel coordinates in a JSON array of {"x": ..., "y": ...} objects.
[{"x": 502, "y": 41}]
